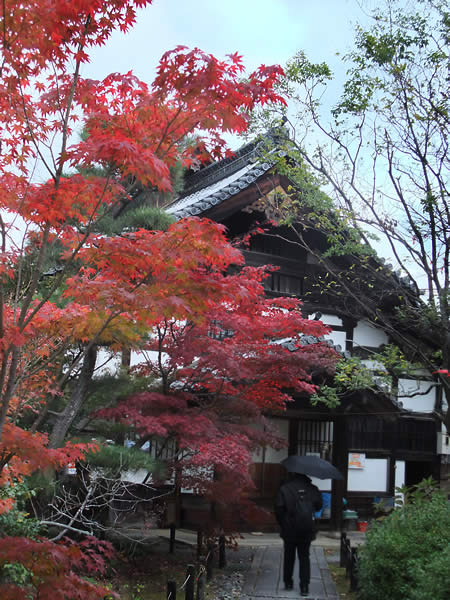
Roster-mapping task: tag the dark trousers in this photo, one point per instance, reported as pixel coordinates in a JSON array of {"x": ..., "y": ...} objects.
[{"x": 302, "y": 549}]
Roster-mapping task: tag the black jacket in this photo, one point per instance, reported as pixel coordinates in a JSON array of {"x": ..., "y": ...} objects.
[{"x": 285, "y": 503}]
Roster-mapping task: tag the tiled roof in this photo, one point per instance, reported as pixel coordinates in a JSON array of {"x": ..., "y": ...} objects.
[
  {"x": 306, "y": 340},
  {"x": 219, "y": 181},
  {"x": 207, "y": 197}
]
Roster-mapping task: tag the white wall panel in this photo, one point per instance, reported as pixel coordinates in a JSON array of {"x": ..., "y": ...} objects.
[
  {"x": 107, "y": 363},
  {"x": 424, "y": 402},
  {"x": 373, "y": 477},
  {"x": 272, "y": 455},
  {"x": 338, "y": 337},
  {"x": 366, "y": 334},
  {"x": 399, "y": 473},
  {"x": 324, "y": 485},
  {"x": 330, "y": 319}
]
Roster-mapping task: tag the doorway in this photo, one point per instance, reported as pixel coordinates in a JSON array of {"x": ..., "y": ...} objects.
[{"x": 416, "y": 470}]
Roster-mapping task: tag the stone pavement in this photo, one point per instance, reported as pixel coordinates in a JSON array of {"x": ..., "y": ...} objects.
[
  {"x": 264, "y": 577},
  {"x": 264, "y": 580}
]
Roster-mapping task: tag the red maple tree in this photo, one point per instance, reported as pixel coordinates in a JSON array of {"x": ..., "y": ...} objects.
[
  {"x": 117, "y": 287},
  {"x": 213, "y": 380}
]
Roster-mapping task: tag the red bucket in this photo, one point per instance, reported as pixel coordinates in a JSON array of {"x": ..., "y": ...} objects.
[{"x": 362, "y": 525}]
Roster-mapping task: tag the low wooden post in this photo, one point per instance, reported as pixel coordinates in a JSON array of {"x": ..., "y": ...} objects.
[
  {"x": 209, "y": 561},
  {"x": 354, "y": 569},
  {"x": 172, "y": 538},
  {"x": 222, "y": 555},
  {"x": 190, "y": 582},
  {"x": 201, "y": 586},
  {"x": 171, "y": 590},
  {"x": 342, "y": 561},
  {"x": 348, "y": 558},
  {"x": 199, "y": 543}
]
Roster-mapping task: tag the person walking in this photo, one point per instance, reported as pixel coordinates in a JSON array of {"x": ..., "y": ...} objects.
[{"x": 296, "y": 502}]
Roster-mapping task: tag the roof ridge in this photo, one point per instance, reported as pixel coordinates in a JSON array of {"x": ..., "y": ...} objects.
[{"x": 215, "y": 171}]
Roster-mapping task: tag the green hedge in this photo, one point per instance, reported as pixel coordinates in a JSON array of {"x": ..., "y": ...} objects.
[{"x": 407, "y": 555}]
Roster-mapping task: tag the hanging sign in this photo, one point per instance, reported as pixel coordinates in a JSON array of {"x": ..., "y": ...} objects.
[{"x": 71, "y": 469}]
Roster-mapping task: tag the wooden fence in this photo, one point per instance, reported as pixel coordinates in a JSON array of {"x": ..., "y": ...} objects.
[{"x": 197, "y": 575}]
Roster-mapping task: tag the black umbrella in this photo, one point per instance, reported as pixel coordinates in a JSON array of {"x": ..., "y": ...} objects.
[{"x": 311, "y": 465}]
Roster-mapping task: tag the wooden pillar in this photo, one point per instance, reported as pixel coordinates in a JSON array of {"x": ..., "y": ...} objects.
[
  {"x": 199, "y": 543},
  {"x": 190, "y": 583},
  {"x": 340, "y": 460},
  {"x": 171, "y": 590},
  {"x": 222, "y": 554},
  {"x": 177, "y": 495},
  {"x": 293, "y": 437},
  {"x": 172, "y": 538},
  {"x": 392, "y": 460}
]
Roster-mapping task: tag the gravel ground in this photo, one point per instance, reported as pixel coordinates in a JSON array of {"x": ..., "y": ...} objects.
[{"x": 227, "y": 583}]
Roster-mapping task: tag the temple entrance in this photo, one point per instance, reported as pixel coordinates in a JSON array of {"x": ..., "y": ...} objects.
[{"x": 416, "y": 470}]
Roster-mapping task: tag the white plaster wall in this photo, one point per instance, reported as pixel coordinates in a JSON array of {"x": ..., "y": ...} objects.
[
  {"x": 276, "y": 456},
  {"x": 329, "y": 319},
  {"x": 135, "y": 476},
  {"x": 444, "y": 403},
  {"x": 338, "y": 337},
  {"x": 420, "y": 403},
  {"x": 143, "y": 357},
  {"x": 324, "y": 485},
  {"x": 366, "y": 334},
  {"x": 373, "y": 477},
  {"x": 400, "y": 474},
  {"x": 108, "y": 363},
  {"x": 272, "y": 455}
]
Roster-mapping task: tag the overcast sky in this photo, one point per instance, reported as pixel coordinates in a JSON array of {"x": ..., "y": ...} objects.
[{"x": 263, "y": 31}]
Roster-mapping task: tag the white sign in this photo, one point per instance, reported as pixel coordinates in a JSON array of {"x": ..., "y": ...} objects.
[{"x": 356, "y": 460}]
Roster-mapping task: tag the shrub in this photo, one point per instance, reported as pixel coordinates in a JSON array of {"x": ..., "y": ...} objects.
[
  {"x": 17, "y": 522},
  {"x": 406, "y": 555}
]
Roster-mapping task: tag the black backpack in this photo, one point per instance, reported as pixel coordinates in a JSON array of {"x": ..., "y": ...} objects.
[{"x": 302, "y": 514}]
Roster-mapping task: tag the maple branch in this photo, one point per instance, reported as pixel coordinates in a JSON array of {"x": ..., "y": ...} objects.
[
  {"x": 10, "y": 387},
  {"x": 34, "y": 279},
  {"x": 60, "y": 277},
  {"x": 164, "y": 375},
  {"x": 166, "y": 130},
  {"x": 2, "y": 299},
  {"x": 69, "y": 103},
  {"x": 101, "y": 492},
  {"x": 5, "y": 459},
  {"x": 65, "y": 528},
  {"x": 31, "y": 131},
  {"x": 5, "y": 43},
  {"x": 75, "y": 516},
  {"x": 4, "y": 368},
  {"x": 78, "y": 395}
]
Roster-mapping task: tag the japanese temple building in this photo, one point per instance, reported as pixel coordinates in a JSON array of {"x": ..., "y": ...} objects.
[{"x": 377, "y": 440}]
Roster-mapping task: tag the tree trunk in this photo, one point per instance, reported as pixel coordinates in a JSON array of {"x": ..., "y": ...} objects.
[{"x": 78, "y": 396}]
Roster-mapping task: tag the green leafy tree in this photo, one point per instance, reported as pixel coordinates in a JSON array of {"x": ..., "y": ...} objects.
[
  {"x": 406, "y": 554},
  {"x": 382, "y": 154}
]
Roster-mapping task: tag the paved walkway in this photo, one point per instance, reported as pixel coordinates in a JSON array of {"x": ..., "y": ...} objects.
[{"x": 265, "y": 577}]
